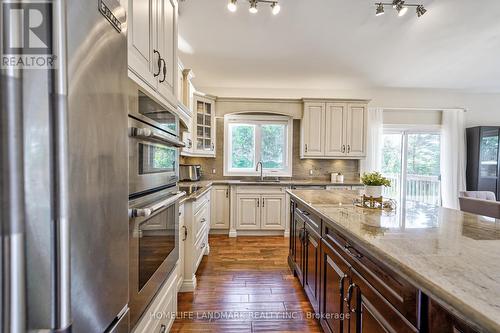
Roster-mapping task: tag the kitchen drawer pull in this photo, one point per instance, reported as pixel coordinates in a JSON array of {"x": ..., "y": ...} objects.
[
  {"x": 348, "y": 149},
  {"x": 148, "y": 134},
  {"x": 263, "y": 202},
  {"x": 164, "y": 71},
  {"x": 352, "y": 251},
  {"x": 203, "y": 245},
  {"x": 163, "y": 328},
  {"x": 185, "y": 233},
  {"x": 203, "y": 220},
  {"x": 306, "y": 213},
  {"x": 349, "y": 293},
  {"x": 148, "y": 211},
  {"x": 306, "y": 147}
]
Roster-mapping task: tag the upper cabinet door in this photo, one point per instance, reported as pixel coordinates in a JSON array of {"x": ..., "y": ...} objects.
[
  {"x": 356, "y": 130},
  {"x": 204, "y": 123},
  {"x": 313, "y": 130},
  {"x": 335, "y": 135},
  {"x": 167, "y": 47},
  {"x": 140, "y": 40}
]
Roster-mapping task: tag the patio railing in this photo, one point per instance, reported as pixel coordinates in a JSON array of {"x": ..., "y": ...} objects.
[{"x": 425, "y": 189}]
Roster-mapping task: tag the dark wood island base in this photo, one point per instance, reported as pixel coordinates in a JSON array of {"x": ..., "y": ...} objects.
[{"x": 351, "y": 291}]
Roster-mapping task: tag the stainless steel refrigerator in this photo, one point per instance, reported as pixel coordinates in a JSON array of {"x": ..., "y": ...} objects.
[{"x": 64, "y": 175}]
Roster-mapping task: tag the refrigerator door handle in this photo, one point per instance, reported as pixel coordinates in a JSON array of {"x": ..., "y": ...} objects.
[{"x": 60, "y": 182}]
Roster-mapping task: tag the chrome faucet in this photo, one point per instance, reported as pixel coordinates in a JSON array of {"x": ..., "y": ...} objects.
[{"x": 261, "y": 170}]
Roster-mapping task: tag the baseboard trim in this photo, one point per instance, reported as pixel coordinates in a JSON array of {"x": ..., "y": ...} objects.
[
  {"x": 188, "y": 285},
  {"x": 258, "y": 233}
]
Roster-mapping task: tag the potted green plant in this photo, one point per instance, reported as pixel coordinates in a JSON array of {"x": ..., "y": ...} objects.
[{"x": 374, "y": 182}]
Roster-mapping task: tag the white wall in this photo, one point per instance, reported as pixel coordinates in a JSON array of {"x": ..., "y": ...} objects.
[{"x": 482, "y": 109}]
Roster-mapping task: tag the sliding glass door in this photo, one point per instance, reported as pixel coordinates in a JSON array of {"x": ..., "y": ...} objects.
[{"x": 411, "y": 160}]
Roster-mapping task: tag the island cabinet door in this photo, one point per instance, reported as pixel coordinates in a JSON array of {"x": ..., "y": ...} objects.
[
  {"x": 370, "y": 311},
  {"x": 299, "y": 246},
  {"x": 312, "y": 266},
  {"x": 334, "y": 281},
  {"x": 441, "y": 321}
]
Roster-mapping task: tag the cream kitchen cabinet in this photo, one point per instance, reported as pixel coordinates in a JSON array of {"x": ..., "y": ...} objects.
[
  {"x": 272, "y": 212},
  {"x": 220, "y": 207},
  {"x": 152, "y": 47},
  {"x": 334, "y": 129},
  {"x": 204, "y": 125},
  {"x": 195, "y": 238},
  {"x": 313, "y": 129},
  {"x": 248, "y": 212},
  {"x": 260, "y": 208}
]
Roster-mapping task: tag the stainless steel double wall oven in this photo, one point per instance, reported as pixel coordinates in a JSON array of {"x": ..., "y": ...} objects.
[{"x": 153, "y": 199}]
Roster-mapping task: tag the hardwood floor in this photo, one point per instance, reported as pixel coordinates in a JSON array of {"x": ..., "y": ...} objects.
[{"x": 248, "y": 279}]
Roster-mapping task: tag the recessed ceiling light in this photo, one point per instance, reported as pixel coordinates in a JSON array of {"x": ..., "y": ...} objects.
[
  {"x": 232, "y": 6},
  {"x": 380, "y": 9},
  {"x": 275, "y": 8}
]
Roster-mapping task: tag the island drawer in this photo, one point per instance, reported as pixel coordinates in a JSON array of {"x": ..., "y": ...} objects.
[
  {"x": 311, "y": 219},
  {"x": 396, "y": 290}
]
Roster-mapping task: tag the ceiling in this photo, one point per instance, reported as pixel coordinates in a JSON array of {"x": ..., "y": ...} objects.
[{"x": 341, "y": 44}]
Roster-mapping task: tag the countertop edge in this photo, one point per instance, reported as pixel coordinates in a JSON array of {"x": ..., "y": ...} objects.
[
  {"x": 444, "y": 298},
  {"x": 209, "y": 183}
]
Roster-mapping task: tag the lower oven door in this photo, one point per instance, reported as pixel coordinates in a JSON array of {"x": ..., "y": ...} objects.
[{"x": 154, "y": 250}]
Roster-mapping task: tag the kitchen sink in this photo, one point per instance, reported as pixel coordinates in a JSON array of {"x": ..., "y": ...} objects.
[{"x": 270, "y": 180}]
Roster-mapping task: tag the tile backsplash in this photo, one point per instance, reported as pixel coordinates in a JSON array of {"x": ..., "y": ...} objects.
[{"x": 321, "y": 169}]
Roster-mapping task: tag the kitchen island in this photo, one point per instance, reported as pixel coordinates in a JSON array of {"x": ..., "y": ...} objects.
[{"x": 420, "y": 268}]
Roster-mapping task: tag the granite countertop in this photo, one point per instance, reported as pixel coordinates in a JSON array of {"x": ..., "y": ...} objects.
[
  {"x": 452, "y": 256},
  {"x": 203, "y": 186}
]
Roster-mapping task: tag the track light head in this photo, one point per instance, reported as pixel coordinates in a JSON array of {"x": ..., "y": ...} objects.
[
  {"x": 275, "y": 8},
  {"x": 231, "y": 6},
  {"x": 253, "y": 7},
  {"x": 395, "y": 3},
  {"x": 401, "y": 8},
  {"x": 421, "y": 11},
  {"x": 380, "y": 9}
]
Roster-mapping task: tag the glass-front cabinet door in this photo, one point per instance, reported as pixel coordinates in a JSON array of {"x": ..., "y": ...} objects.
[
  {"x": 488, "y": 159},
  {"x": 204, "y": 143}
]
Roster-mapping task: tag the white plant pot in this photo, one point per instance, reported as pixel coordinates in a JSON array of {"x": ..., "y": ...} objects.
[{"x": 373, "y": 191}]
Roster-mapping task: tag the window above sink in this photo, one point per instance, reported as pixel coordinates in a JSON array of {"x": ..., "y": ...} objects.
[{"x": 249, "y": 139}]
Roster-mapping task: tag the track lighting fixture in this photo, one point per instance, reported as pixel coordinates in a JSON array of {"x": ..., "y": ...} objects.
[
  {"x": 275, "y": 6},
  {"x": 253, "y": 7},
  {"x": 380, "y": 9},
  {"x": 400, "y": 6},
  {"x": 421, "y": 10},
  {"x": 231, "y": 6}
]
